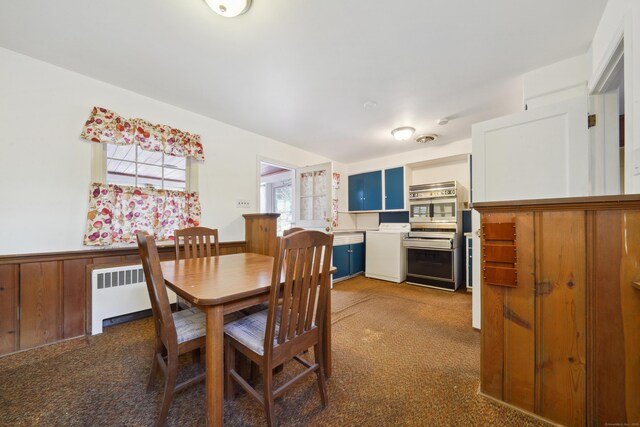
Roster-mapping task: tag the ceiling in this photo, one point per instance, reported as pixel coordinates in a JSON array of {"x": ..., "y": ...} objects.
[{"x": 300, "y": 71}]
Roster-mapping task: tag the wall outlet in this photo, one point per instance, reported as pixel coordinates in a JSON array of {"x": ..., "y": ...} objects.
[{"x": 243, "y": 204}]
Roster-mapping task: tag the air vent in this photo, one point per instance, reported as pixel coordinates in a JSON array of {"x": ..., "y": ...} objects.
[{"x": 423, "y": 139}]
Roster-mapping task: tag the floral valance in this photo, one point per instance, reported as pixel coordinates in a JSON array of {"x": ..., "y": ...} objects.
[
  {"x": 107, "y": 127},
  {"x": 117, "y": 213}
]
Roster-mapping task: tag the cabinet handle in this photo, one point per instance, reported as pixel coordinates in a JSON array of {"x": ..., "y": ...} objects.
[{"x": 636, "y": 285}]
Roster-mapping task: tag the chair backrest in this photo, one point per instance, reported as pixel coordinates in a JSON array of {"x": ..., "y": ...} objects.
[
  {"x": 160, "y": 306},
  {"x": 197, "y": 242},
  {"x": 292, "y": 230},
  {"x": 300, "y": 304}
]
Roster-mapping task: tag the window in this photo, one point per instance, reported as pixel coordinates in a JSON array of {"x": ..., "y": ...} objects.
[
  {"x": 130, "y": 165},
  {"x": 282, "y": 203}
]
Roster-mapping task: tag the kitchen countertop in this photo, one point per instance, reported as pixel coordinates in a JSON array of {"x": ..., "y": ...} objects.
[{"x": 352, "y": 230}]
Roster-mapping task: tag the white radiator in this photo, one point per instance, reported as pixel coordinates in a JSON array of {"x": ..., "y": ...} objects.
[{"x": 117, "y": 291}]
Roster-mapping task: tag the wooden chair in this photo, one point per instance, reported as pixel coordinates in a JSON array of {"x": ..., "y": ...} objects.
[
  {"x": 292, "y": 323},
  {"x": 197, "y": 242},
  {"x": 176, "y": 333}
]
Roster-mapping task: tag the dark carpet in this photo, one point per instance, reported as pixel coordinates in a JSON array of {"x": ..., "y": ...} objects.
[{"x": 402, "y": 355}]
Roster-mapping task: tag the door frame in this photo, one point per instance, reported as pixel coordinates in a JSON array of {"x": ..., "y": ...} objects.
[{"x": 261, "y": 159}]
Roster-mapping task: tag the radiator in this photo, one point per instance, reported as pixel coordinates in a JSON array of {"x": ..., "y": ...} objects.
[{"x": 117, "y": 291}]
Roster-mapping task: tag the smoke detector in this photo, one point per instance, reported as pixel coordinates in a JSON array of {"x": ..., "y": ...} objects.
[{"x": 423, "y": 139}]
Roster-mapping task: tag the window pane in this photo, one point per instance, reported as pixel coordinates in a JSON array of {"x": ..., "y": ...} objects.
[
  {"x": 149, "y": 175},
  {"x": 121, "y": 172},
  {"x": 126, "y": 152},
  {"x": 179, "y": 162},
  {"x": 175, "y": 185},
  {"x": 146, "y": 181},
  {"x": 147, "y": 171},
  {"x": 125, "y": 163},
  {"x": 282, "y": 199},
  {"x": 174, "y": 174},
  {"x": 151, "y": 157}
]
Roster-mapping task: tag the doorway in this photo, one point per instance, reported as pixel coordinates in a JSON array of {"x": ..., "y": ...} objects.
[
  {"x": 608, "y": 150},
  {"x": 277, "y": 193}
]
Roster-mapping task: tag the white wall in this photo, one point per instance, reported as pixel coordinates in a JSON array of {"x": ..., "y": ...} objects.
[
  {"x": 46, "y": 167},
  {"x": 447, "y": 169},
  {"x": 556, "y": 82},
  {"x": 429, "y": 152}
]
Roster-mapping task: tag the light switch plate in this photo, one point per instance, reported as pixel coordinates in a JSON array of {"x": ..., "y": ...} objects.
[{"x": 243, "y": 204}]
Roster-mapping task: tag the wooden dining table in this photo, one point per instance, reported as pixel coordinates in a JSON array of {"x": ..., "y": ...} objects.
[{"x": 220, "y": 285}]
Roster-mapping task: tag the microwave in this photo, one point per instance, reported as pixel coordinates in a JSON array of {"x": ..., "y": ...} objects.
[{"x": 433, "y": 210}]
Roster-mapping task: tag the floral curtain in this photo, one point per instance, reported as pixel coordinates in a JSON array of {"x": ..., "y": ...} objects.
[
  {"x": 117, "y": 213},
  {"x": 105, "y": 126}
]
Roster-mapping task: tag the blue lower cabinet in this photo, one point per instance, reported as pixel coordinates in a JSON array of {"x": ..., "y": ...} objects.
[
  {"x": 341, "y": 261},
  {"x": 348, "y": 260},
  {"x": 356, "y": 259},
  {"x": 469, "y": 262}
]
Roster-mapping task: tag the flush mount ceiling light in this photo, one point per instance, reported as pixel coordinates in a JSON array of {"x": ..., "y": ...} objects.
[
  {"x": 423, "y": 139},
  {"x": 403, "y": 133},
  {"x": 229, "y": 8}
]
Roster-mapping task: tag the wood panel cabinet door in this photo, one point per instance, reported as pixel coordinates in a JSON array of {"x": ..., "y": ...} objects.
[
  {"x": 508, "y": 313},
  {"x": 615, "y": 310},
  {"x": 561, "y": 316},
  {"x": 41, "y": 303},
  {"x": 8, "y": 308}
]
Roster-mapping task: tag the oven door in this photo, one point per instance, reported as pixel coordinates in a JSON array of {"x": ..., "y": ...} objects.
[
  {"x": 430, "y": 263},
  {"x": 420, "y": 211},
  {"x": 444, "y": 210}
]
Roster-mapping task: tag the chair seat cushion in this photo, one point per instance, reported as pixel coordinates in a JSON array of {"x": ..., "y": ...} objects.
[
  {"x": 250, "y": 331},
  {"x": 190, "y": 324}
]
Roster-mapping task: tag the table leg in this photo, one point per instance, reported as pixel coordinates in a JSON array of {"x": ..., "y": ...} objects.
[
  {"x": 215, "y": 365},
  {"x": 327, "y": 339}
]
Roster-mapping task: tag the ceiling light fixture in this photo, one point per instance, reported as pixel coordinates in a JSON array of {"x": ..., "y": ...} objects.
[
  {"x": 229, "y": 8},
  {"x": 423, "y": 139},
  {"x": 403, "y": 133}
]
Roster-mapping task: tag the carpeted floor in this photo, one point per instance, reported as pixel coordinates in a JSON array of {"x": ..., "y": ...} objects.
[{"x": 403, "y": 355}]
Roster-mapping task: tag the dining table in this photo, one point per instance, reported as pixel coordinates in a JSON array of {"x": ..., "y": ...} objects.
[{"x": 221, "y": 285}]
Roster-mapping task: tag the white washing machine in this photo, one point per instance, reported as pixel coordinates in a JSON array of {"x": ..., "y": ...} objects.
[{"x": 386, "y": 257}]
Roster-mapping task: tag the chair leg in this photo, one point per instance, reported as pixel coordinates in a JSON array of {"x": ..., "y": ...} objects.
[
  {"x": 267, "y": 384},
  {"x": 154, "y": 366},
  {"x": 230, "y": 354},
  {"x": 322, "y": 382},
  {"x": 169, "y": 388}
]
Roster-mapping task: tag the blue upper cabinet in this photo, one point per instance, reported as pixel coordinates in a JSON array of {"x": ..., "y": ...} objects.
[
  {"x": 356, "y": 192},
  {"x": 394, "y": 188},
  {"x": 372, "y": 191},
  {"x": 365, "y": 191}
]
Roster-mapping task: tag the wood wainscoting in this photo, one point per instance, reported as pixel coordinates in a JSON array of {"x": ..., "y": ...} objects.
[
  {"x": 45, "y": 298},
  {"x": 564, "y": 341}
]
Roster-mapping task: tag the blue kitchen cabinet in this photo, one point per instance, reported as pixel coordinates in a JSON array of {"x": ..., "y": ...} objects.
[
  {"x": 356, "y": 259},
  {"x": 356, "y": 192},
  {"x": 348, "y": 260},
  {"x": 469, "y": 259},
  {"x": 341, "y": 261},
  {"x": 365, "y": 191},
  {"x": 394, "y": 188}
]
